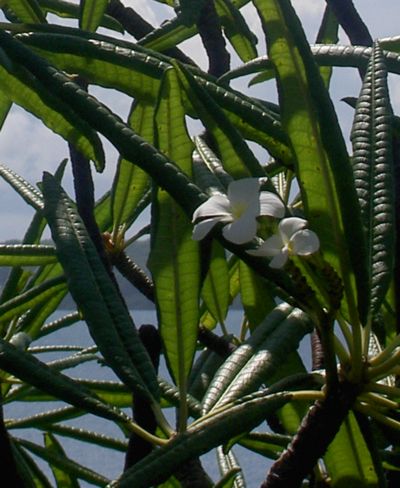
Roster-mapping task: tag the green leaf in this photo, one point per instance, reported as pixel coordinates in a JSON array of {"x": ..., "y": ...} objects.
[
  {"x": 31, "y": 474},
  {"x": 33, "y": 296},
  {"x": 70, "y": 10},
  {"x": 26, "y": 255},
  {"x": 200, "y": 438},
  {"x": 328, "y": 34},
  {"x": 64, "y": 321},
  {"x": 5, "y": 105},
  {"x": 348, "y": 460},
  {"x": 26, "y": 367},
  {"x": 323, "y": 168},
  {"x": 91, "y": 13},
  {"x": 130, "y": 145},
  {"x": 137, "y": 72},
  {"x": 236, "y": 30},
  {"x": 99, "y": 440},
  {"x": 106, "y": 315},
  {"x": 44, "y": 418},
  {"x": 257, "y": 359},
  {"x": 230, "y": 470},
  {"x": 27, "y": 11},
  {"x": 208, "y": 170},
  {"x": 174, "y": 258},
  {"x": 131, "y": 182},
  {"x": 236, "y": 156},
  {"x": 202, "y": 373},
  {"x": 64, "y": 463},
  {"x": 28, "y": 192},
  {"x": 257, "y": 297},
  {"x": 268, "y": 445},
  {"x": 374, "y": 176},
  {"x": 26, "y": 91},
  {"x": 61, "y": 476},
  {"x": 115, "y": 64},
  {"x": 215, "y": 291}
]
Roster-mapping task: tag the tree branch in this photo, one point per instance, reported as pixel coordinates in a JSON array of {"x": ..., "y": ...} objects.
[
  {"x": 350, "y": 20},
  {"x": 316, "y": 432},
  {"x": 214, "y": 43}
]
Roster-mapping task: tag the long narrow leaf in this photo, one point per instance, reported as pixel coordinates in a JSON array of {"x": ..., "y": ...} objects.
[
  {"x": 256, "y": 361},
  {"x": 34, "y": 296},
  {"x": 348, "y": 460},
  {"x": 323, "y": 167},
  {"x": 28, "y": 11},
  {"x": 374, "y": 176},
  {"x": 70, "y": 10},
  {"x": 65, "y": 463},
  {"x": 236, "y": 29},
  {"x": 130, "y": 181},
  {"x": 26, "y": 255},
  {"x": 107, "y": 317},
  {"x": 200, "y": 438},
  {"x": 92, "y": 12},
  {"x": 61, "y": 475},
  {"x": 24, "y": 90},
  {"x": 32, "y": 371},
  {"x": 175, "y": 267},
  {"x": 236, "y": 156}
]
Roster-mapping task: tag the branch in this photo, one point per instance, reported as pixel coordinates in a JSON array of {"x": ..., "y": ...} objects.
[
  {"x": 8, "y": 465},
  {"x": 138, "y": 448},
  {"x": 350, "y": 20},
  {"x": 214, "y": 43},
  {"x": 133, "y": 273},
  {"x": 316, "y": 432}
]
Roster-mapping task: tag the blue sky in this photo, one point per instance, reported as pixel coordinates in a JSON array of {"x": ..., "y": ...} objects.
[{"x": 29, "y": 148}]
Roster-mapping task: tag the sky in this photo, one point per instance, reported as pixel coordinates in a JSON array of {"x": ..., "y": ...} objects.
[{"x": 29, "y": 148}]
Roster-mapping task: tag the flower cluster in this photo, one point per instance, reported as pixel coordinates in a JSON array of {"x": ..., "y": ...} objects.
[{"x": 239, "y": 210}]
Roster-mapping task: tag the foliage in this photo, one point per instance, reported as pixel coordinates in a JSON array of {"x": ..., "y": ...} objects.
[{"x": 224, "y": 227}]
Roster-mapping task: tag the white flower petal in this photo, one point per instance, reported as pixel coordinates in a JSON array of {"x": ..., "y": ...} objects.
[
  {"x": 217, "y": 205},
  {"x": 201, "y": 229},
  {"x": 270, "y": 247},
  {"x": 271, "y": 204},
  {"x": 304, "y": 242},
  {"x": 289, "y": 226},
  {"x": 280, "y": 259},
  {"x": 243, "y": 189},
  {"x": 241, "y": 230}
]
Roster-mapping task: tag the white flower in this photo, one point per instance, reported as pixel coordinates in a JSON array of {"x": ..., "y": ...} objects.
[
  {"x": 238, "y": 210},
  {"x": 292, "y": 239}
]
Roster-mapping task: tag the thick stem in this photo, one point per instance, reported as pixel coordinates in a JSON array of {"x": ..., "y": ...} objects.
[
  {"x": 8, "y": 466},
  {"x": 214, "y": 43},
  {"x": 134, "y": 274},
  {"x": 143, "y": 415},
  {"x": 219, "y": 345},
  {"x": 316, "y": 432},
  {"x": 192, "y": 475},
  {"x": 350, "y": 20}
]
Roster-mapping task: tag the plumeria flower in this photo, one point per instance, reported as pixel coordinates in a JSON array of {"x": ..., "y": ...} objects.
[
  {"x": 292, "y": 239},
  {"x": 238, "y": 210}
]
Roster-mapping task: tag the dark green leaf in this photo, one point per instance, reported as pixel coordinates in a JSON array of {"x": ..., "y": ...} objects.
[
  {"x": 374, "y": 175},
  {"x": 102, "y": 307}
]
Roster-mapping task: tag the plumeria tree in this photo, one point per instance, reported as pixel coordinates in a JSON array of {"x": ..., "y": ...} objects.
[{"x": 305, "y": 241}]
